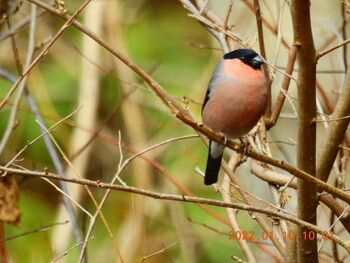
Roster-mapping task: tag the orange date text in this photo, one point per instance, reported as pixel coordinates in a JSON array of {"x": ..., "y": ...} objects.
[{"x": 286, "y": 235}]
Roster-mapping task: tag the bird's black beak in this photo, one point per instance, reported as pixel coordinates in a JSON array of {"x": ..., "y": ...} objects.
[{"x": 256, "y": 62}]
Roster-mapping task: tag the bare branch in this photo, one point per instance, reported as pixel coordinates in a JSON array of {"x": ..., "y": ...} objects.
[
  {"x": 181, "y": 198},
  {"x": 336, "y": 131},
  {"x": 306, "y": 147}
]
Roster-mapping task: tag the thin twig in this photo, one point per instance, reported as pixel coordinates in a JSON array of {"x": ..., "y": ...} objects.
[
  {"x": 332, "y": 226},
  {"x": 67, "y": 251},
  {"x": 323, "y": 53},
  {"x": 228, "y": 12},
  {"x": 159, "y": 251},
  {"x": 66, "y": 195},
  {"x": 40, "y": 229},
  {"x": 28, "y": 144}
]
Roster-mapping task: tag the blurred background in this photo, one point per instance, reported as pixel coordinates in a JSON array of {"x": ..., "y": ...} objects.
[{"x": 116, "y": 106}]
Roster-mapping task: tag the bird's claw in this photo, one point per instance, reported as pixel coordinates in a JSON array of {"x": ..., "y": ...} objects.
[
  {"x": 224, "y": 138},
  {"x": 244, "y": 146}
]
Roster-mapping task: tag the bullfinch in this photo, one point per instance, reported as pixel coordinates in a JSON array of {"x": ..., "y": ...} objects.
[{"x": 234, "y": 102}]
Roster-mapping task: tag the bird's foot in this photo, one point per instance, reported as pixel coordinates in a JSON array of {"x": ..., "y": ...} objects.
[
  {"x": 244, "y": 146},
  {"x": 224, "y": 138}
]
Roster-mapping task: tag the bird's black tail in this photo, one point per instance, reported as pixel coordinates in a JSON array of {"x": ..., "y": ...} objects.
[{"x": 212, "y": 170}]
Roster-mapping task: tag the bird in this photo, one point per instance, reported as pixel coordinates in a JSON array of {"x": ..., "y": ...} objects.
[{"x": 235, "y": 101}]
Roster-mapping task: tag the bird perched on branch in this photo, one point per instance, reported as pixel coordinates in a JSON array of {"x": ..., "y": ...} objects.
[{"x": 235, "y": 101}]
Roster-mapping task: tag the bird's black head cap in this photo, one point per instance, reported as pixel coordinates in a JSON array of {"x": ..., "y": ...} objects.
[{"x": 248, "y": 56}]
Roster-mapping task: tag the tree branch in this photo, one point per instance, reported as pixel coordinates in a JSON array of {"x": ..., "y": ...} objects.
[
  {"x": 181, "y": 198},
  {"x": 335, "y": 134},
  {"x": 306, "y": 145}
]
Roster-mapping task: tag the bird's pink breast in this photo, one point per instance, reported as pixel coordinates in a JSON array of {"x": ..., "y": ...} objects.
[{"x": 238, "y": 100}]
